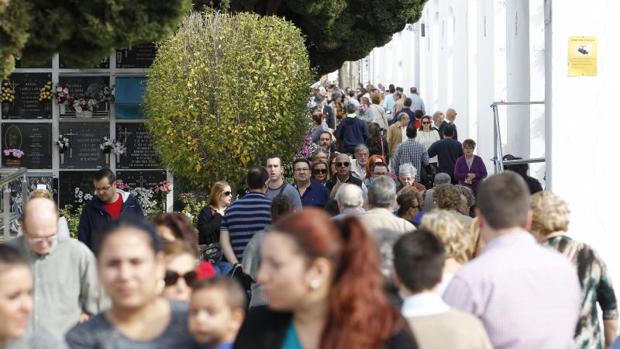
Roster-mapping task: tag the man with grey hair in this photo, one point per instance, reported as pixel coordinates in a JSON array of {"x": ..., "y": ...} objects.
[
  {"x": 358, "y": 165},
  {"x": 350, "y": 200},
  {"x": 429, "y": 202},
  {"x": 381, "y": 221},
  {"x": 66, "y": 290},
  {"x": 406, "y": 175}
]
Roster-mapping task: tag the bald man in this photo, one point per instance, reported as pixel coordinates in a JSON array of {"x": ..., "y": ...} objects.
[{"x": 64, "y": 273}]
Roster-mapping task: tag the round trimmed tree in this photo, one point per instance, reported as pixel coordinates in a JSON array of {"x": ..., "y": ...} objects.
[{"x": 227, "y": 91}]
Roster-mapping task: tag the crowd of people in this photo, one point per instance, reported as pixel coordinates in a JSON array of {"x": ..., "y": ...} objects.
[{"x": 391, "y": 235}]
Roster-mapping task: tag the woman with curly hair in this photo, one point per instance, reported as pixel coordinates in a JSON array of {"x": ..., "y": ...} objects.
[
  {"x": 549, "y": 225},
  {"x": 323, "y": 289},
  {"x": 448, "y": 197},
  {"x": 455, "y": 237}
]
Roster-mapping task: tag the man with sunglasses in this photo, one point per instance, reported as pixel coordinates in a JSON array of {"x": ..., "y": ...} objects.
[
  {"x": 343, "y": 173},
  {"x": 65, "y": 277}
]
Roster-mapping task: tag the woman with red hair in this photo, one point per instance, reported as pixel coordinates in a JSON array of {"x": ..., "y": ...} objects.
[{"x": 323, "y": 289}]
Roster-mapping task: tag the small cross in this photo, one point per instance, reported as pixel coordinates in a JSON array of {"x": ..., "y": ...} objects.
[
  {"x": 141, "y": 181},
  {"x": 125, "y": 133}
]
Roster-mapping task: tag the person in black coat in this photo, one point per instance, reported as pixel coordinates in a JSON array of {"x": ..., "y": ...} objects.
[{"x": 324, "y": 290}]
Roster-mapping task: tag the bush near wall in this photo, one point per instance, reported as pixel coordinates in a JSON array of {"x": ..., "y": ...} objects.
[{"x": 225, "y": 92}]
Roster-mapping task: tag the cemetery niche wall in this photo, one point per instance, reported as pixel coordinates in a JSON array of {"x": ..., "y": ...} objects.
[{"x": 63, "y": 124}]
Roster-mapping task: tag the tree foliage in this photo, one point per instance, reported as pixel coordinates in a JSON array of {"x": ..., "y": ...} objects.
[
  {"x": 84, "y": 32},
  {"x": 13, "y": 33},
  {"x": 336, "y": 30},
  {"x": 227, "y": 91}
]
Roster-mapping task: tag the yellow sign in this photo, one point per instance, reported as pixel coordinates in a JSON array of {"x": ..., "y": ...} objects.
[{"x": 582, "y": 56}]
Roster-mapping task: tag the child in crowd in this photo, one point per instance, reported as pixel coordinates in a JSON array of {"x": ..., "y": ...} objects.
[{"x": 216, "y": 312}]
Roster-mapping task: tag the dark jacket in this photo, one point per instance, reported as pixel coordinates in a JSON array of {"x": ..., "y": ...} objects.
[
  {"x": 330, "y": 118},
  {"x": 266, "y": 329},
  {"x": 94, "y": 217},
  {"x": 447, "y": 151},
  {"x": 350, "y": 133},
  {"x": 209, "y": 222}
]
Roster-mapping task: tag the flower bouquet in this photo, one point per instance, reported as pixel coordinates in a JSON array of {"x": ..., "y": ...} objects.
[
  {"x": 63, "y": 144},
  {"x": 105, "y": 96},
  {"x": 7, "y": 96},
  {"x": 107, "y": 147},
  {"x": 13, "y": 157},
  {"x": 45, "y": 96},
  {"x": 84, "y": 106},
  {"x": 163, "y": 188},
  {"x": 63, "y": 98}
]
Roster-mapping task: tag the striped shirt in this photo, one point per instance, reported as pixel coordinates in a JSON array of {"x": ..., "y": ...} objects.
[
  {"x": 410, "y": 151},
  {"x": 244, "y": 218}
]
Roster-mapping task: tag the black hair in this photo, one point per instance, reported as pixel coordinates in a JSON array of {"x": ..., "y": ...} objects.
[
  {"x": 135, "y": 223},
  {"x": 419, "y": 258},
  {"x": 105, "y": 173},
  {"x": 407, "y": 102},
  {"x": 449, "y": 130},
  {"x": 391, "y": 88},
  {"x": 11, "y": 256},
  {"x": 411, "y": 131},
  {"x": 323, "y": 132},
  {"x": 257, "y": 177},
  {"x": 301, "y": 160},
  {"x": 280, "y": 206},
  {"x": 418, "y": 114}
]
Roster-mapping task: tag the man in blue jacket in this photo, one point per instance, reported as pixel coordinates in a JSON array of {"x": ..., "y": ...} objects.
[
  {"x": 108, "y": 204},
  {"x": 351, "y": 131}
]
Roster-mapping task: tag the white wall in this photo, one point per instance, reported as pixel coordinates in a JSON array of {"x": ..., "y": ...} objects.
[{"x": 582, "y": 143}]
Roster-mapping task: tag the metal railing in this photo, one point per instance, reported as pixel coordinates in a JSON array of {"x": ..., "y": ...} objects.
[
  {"x": 498, "y": 154},
  {"x": 8, "y": 175}
]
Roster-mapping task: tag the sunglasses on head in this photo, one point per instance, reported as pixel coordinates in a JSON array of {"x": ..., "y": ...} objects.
[
  {"x": 343, "y": 164},
  {"x": 172, "y": 277},
  {"x": 320, "y": 171}
]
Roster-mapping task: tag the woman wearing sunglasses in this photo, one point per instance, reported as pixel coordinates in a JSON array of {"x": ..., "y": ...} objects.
[
  {"x": 210, "y": 217},
  {"x": 320, "y": 172},
  {"x": 180, "y": 259},
  {"x": 427, "y": 135},
  {"x": 131, "y": 269}
]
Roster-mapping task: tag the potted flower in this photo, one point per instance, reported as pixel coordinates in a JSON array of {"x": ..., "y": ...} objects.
[
  {"x": 63, "y": 144},
  {"x": 7, "y": 96},
  {"x": 107, "y": 146},
  {"x": 13, "y": 156},
  {"x": 62, "y": 97},
  {"x": 45, "y": 96}
]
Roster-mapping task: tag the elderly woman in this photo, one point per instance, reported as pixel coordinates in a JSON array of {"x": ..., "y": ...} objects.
[
  {"x": 409, "y": 201},
  {"x": 181, "y": 261},
  {"x": 320, "y": 172},
  {"x": 455, "y": 238},
  {"x": 406, "y": 176},
  {"x": 549, "y": 226},
  {"x": 469, "y": 169},
  {"x": 449, "y": 198}
]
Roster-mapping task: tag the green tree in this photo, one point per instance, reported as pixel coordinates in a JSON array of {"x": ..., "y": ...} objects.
[
  {"x": 14, "y": 21},
  {"x": 336, "y": 30},
  {"x": 227, "y": 91},
  {"x": 84, "y": 32}
]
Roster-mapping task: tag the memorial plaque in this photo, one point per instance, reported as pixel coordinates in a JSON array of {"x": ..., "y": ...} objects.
[
  {"x": 141, "y": 179},
  {"x": 76, "y": 187},
  {"x": 26, "y": 104},
  {"x": 24, "y": 62},
  {"x": 137, "y": 140},
  {"x": 104, "y": 64},
  {"x": 35, "y": 140},
  {"x": 50, "y": 183},
  {"x": 86, "y": 87},
  {"x": 137, "y": 56},
  {"x": 85, "y": 138}
]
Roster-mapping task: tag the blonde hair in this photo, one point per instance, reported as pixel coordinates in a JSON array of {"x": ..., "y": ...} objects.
[
  {"x": 549, "y": 213},
  {"x": 216, "y": 192},
  {"x": 40, "y": 193},
  {"x": 455, "y": 237},
  {"x": 479, "y": 243}
]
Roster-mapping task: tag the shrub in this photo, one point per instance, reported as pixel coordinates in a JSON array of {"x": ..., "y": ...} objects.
[{"x": 227, "y": 91}]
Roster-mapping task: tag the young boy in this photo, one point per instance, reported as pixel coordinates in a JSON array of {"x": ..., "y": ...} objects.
[
  {"x": 418, "y": 260},
  {"x": 216, "y": 312}
]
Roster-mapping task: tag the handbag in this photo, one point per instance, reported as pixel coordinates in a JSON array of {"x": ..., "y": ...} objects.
[{"x": 211, "y": 253}]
